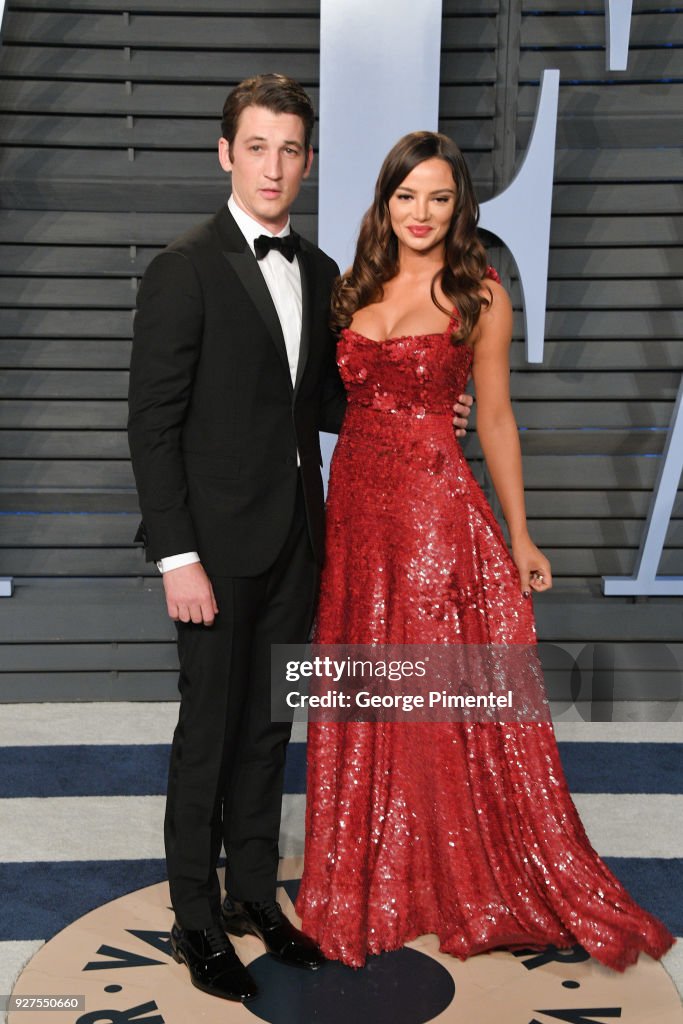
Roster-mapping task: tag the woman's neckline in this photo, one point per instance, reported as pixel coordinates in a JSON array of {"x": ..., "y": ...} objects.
[
  {"x": 403, "y": 337},
  {"x": 491, "y": 273}
]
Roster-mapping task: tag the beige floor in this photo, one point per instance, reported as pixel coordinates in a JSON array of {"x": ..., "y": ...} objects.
[{"x": 637, "y": 825}]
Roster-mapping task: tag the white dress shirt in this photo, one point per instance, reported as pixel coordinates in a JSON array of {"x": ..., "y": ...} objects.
[{"x": 283, "y": 280}]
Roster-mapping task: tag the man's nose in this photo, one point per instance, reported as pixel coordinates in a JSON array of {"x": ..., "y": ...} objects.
[{"x": 273, "y": 168}]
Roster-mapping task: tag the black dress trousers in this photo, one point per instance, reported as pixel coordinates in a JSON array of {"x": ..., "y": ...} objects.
[{"x": 226, "y": 770}]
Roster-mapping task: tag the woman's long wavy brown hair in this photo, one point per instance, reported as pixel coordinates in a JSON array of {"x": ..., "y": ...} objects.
[{"x": 376, "y": 259}]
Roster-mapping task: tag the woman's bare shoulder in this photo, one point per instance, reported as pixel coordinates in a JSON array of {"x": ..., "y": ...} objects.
[
  {"x": 499, "y": 305},
  {"x": 495, "y": 320},
  {"x": 494, "y": 289}
]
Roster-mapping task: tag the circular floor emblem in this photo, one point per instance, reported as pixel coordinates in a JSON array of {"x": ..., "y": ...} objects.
[
  {"x": 405, "y": 987},
  {"x": 118, "y": 957}
]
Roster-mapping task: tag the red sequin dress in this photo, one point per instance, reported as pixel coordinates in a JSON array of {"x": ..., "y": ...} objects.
[{"x": 464, "y": 830}]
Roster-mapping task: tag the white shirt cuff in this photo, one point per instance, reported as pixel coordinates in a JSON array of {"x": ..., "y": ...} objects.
[{"x": 177, "y": 561}]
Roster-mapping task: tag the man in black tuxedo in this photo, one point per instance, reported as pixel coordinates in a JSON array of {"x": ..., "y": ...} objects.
[{"x": 232, "y": 376}]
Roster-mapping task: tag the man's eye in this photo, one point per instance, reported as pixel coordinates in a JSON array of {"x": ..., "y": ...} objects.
[{"x": 256, "y": 149}]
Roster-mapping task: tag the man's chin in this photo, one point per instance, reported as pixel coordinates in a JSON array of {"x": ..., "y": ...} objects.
[{"x": 272, "y": 217}]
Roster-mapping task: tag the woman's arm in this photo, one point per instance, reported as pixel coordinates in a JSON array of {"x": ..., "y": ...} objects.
[{"x": 499, "y": 437}]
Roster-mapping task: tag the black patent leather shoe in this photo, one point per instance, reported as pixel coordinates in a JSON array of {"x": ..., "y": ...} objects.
[
  {"x": 212, "y": 962},
  {"x": 280, "y": 937}
]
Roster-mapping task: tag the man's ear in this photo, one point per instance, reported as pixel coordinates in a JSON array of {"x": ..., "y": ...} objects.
[
  {"x": 224, "y": 154},
  {"x": 309, "y": 162}
]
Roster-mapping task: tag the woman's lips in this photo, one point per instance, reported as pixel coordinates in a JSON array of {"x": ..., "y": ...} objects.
[{"x": 419, "y": 231}]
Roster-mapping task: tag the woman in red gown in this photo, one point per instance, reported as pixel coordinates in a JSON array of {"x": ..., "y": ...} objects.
[{"x": 465, "y": 830}]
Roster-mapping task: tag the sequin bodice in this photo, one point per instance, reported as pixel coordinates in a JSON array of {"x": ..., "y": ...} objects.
[{"x": 417, "y": 375}]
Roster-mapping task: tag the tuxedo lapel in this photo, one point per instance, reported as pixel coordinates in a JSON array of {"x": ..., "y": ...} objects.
[
  {"x": 306, "y": 271},
  {"x": 240, "y": 257}
]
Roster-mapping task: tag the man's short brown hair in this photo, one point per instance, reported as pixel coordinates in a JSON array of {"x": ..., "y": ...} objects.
[{"x": 278, "y": 93}]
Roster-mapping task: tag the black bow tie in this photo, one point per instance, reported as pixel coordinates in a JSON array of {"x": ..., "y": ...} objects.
[{"x": 288, "y": 245}]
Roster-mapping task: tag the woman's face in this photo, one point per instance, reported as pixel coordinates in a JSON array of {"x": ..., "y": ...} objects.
[{"x": 422, "y": 206}]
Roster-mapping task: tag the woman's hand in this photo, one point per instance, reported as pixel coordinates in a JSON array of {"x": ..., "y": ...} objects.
[{"x": 532, "y": 565}]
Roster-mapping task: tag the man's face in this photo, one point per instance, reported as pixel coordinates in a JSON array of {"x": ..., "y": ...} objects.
[{"x": 268, "y": 163}]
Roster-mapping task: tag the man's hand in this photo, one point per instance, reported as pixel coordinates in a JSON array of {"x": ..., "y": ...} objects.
[
  {"x": 189, "y": 595},
  {"x": 462, "y": 409}
]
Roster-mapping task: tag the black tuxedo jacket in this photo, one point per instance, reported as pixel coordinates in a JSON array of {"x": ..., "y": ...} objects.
[{"x": 214, "y": 421}]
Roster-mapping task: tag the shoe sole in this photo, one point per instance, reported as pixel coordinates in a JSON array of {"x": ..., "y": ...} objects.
[{"x": 180, "y": 959}]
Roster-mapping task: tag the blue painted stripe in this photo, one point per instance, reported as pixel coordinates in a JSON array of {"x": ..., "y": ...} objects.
[
  {"x": 623, "y": 767},
  {"x": 116, "y": 770},
  {"x": 39, "y": 899},
  {"x": 140, "y": 770},
  {"x": 656, "y": 883},
  {"x": 68, "y": 890},
  {"x": 84, "y": 770}
]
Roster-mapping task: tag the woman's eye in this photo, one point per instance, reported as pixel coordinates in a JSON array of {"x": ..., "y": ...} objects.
[{"x": 403, "y": 195}]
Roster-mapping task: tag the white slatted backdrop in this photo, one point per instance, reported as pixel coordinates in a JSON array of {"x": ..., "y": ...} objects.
[{"x": 109, "y": 113}]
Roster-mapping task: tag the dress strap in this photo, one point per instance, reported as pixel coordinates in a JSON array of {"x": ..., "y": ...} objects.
[{"x": 493, "y": 274}]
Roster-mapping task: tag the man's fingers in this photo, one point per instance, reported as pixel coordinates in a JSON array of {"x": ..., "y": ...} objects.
[
  {"x": 197, "y": 617},
  {"x": 208, "y": 610},
  {"x": 201, "y": 613},
  {"x": 461, "y": 408}
]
